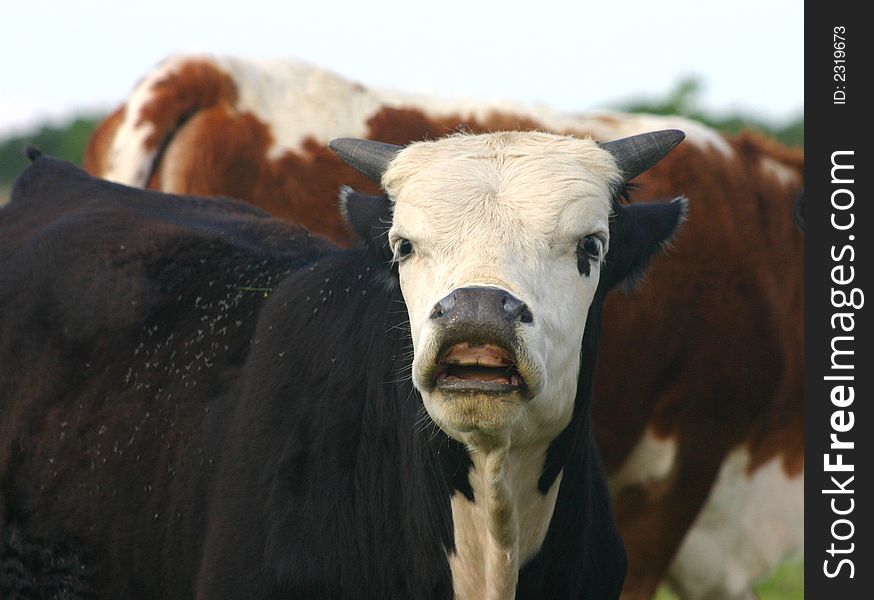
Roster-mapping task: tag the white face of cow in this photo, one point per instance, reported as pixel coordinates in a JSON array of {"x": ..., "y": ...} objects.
[{"x": 499, "y": 241}]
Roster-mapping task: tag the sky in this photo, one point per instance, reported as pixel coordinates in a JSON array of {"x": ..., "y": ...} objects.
[{"x": 57, "y": 58}]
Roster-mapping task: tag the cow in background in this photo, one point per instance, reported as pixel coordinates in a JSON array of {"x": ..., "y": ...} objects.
[{"x": 704, "y": 444}]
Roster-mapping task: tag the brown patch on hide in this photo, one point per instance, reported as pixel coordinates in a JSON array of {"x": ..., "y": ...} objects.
[
  {"x": 196, "y": 85},
  {"x": 715, "y": 337}
]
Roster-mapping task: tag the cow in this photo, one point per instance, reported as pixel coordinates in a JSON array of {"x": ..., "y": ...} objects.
[
  {"x": 704, "y": 445},
  {"x": 201, "y": 401}
]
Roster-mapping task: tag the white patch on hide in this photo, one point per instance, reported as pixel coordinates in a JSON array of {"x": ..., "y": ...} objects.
[
  {"x": 749, "y": 525},
  {"x": 651, "y": 461},
  {"x": 608, "y": 126},
  {"x": 504, "y": 527},
  {"x": 784, "y": 174}
]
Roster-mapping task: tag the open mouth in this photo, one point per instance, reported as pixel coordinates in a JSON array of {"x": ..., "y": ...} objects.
[{"x": 470, "y": 367}]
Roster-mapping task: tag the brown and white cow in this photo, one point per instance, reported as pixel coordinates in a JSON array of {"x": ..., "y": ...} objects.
[{"x": 704, "y": 443}]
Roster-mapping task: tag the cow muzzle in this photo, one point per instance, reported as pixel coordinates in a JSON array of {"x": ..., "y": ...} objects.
[{"x": 477, "y": 336}]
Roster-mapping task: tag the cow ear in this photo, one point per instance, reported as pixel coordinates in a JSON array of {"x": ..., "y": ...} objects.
[
  {"x": 637, "y": 232},
  {"x": 370, "y": 217}
]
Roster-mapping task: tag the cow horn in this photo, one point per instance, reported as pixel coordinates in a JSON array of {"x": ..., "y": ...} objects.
[
  {"x": 370, "y": 158},
  {"x": 637, "y": 153}
]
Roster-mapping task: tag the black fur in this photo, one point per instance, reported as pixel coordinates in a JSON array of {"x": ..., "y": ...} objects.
[
  {"x": 199, "y": 401},
  {"x": 48, "y": 569},
  {"x": 370, "y": 217},
  {"x": 637, "y": 232},
  {"x": 32, "y": 152}
]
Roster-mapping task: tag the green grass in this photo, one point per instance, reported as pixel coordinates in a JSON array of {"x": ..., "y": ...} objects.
[{"x": 787, "y": 583}]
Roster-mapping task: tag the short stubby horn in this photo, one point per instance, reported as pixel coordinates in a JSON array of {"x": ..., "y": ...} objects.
[
  {"x": 368, "y": 157},
  {"x": 637, "y": 153}
]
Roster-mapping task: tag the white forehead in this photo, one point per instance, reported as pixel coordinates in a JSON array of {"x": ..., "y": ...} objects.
[{"x": 535, "y": 183}]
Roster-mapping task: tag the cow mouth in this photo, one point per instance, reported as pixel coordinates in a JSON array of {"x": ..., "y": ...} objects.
[{"x": 469, "y": 367}]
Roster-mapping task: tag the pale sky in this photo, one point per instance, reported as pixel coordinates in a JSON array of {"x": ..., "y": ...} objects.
[{"x": 60, "y": 57}]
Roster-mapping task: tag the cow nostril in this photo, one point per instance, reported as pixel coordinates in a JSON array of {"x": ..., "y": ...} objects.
[
  {"x": 525, "y": 316},
  {"x": 443, "y": 306},
  {"x": 517, "y": 309}
]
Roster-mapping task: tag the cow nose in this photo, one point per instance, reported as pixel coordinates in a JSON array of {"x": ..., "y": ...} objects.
[{"x": 481, "y": 304}]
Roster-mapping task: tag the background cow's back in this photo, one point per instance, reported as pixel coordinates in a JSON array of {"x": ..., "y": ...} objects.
[{"x": 704, "y": 443}]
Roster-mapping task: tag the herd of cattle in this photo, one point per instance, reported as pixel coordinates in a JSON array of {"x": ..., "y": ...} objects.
[{"x": 390, "y": 397}]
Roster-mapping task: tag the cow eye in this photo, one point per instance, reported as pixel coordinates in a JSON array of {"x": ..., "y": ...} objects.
[
  {"x": 591, "y": 246},
  {"x": 403, "y": 249}
]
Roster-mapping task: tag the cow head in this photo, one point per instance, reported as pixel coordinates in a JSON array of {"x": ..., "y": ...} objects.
[{"x": 502, "y": 242}]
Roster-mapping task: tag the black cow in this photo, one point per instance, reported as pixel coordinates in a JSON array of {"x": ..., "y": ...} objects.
[{"x": 198, "y": 401}]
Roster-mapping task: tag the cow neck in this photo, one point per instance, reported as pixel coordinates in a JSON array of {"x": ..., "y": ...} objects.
[{"x": 504, "y": 523}]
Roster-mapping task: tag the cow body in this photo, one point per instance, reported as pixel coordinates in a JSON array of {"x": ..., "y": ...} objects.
[
  {"x": 126, "y": 324},
  {"x": 199, "y": 401},
  {"x": 712, "y": 420}
]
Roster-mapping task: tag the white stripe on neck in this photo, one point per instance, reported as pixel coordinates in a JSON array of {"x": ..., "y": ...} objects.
[{"x": 504, "y": 526}]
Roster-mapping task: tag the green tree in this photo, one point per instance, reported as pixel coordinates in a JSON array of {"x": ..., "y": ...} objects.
[
  {"x": 62, "y": 141},
  {"x": 684, "y": 100}
]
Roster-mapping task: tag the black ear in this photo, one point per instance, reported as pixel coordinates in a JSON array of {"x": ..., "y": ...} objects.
[
  {"x": 370, "y": 217},
  {"x": 32, "y": 152},
  {"x": 637, "y": 232}
]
